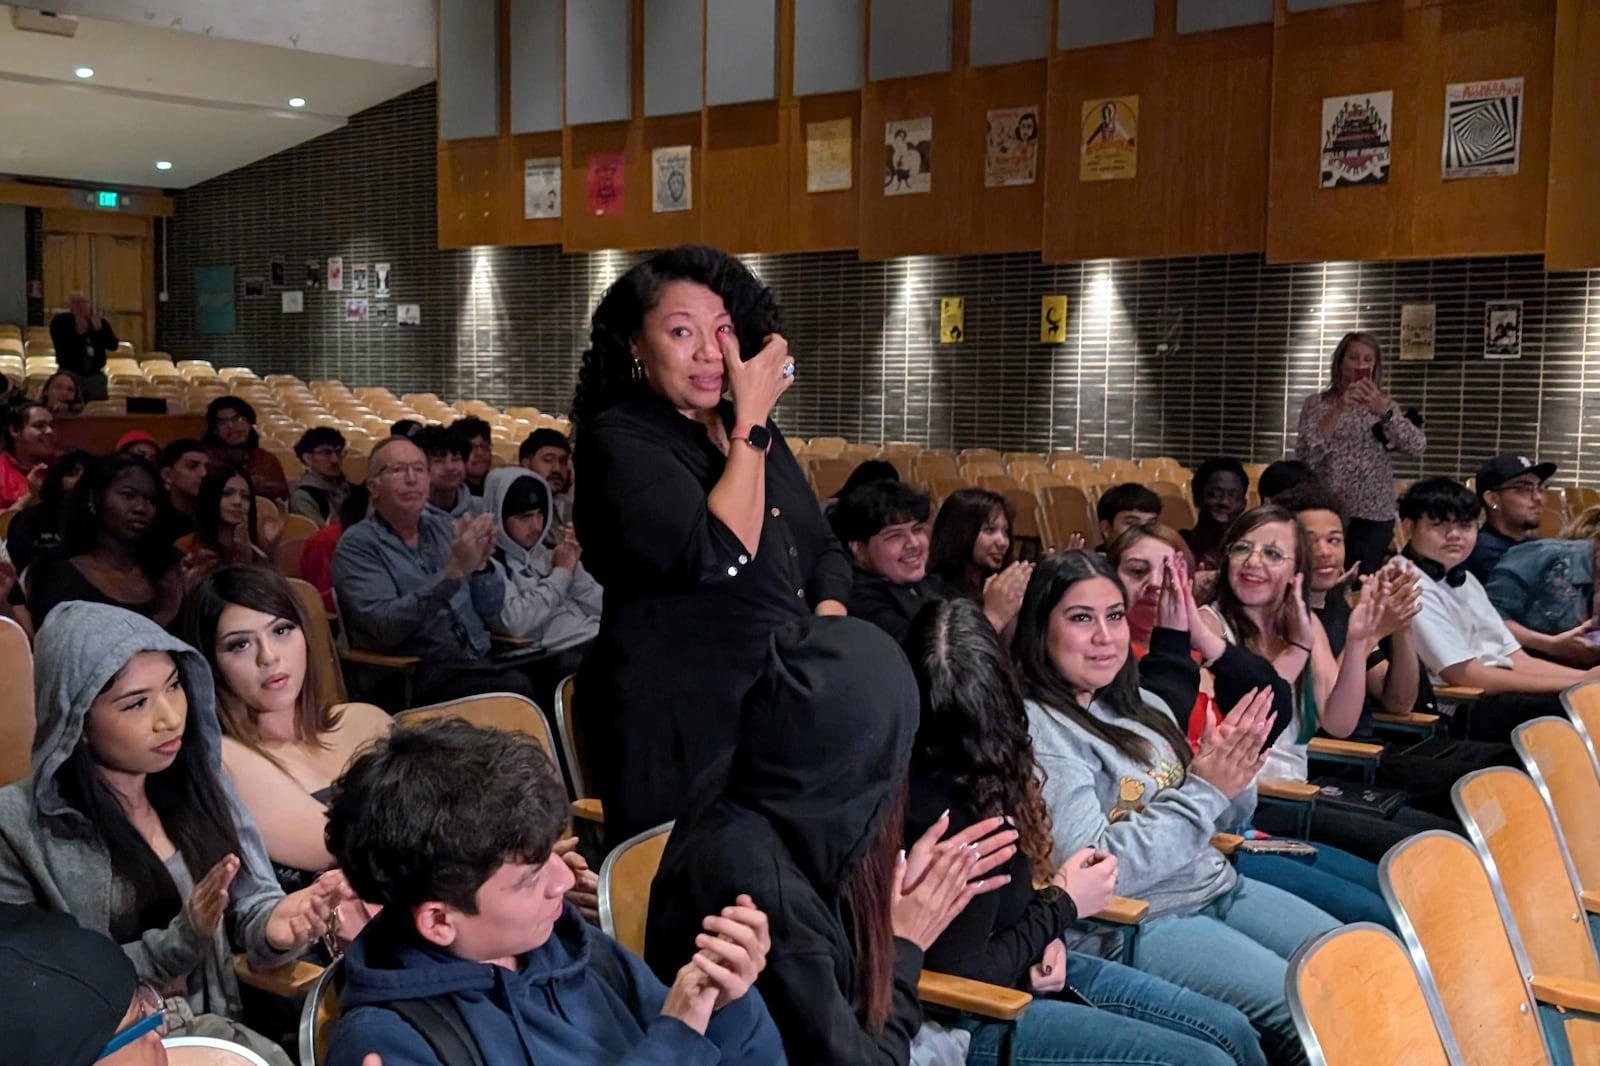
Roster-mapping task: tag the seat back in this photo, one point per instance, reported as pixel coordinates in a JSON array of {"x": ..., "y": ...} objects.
[
  {"x": 1519, "y": 843},
  {"x": 208, "y": 1051},
  {"x": 1463, "y": 947},
  {"x": 1356, "y": 999},
  {"x": 566, "y": 723},
  {"x": 931, "y": 465},
  {"x": 321, "y": 650},
  {"x": 317, "y": 1015},
  {"x": 625, "y": 879},
  {"x": 828, "y": 476},
  {"x": 1582, "y": 704},
  {"x": 1561, "y": 768},
  {"x": 1067, "y": 511},
  {"x": 17, "y": 714},
  {"x": 505, "y": 711}
]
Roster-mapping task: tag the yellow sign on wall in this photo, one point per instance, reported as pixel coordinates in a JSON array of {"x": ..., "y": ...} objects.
[
  {"x": 1109, "y": 139},
  {"x": 952, "y": 319},
  {"x": 1053, "y": 320}
]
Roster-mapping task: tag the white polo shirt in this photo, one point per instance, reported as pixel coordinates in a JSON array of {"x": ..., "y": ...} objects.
[{"x": 1457, "y": 624}]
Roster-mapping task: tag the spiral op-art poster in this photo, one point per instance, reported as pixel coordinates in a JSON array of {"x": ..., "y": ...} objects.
[
  {"x": 1482, "y": 129},
  {"x": 1355, "y": 139}
]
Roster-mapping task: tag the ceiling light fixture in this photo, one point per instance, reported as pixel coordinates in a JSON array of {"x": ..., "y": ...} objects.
[
  {"x": 297, "y": 101},
  {"x": 84, "y": 72},
  {"x": 162, "y": 164}
]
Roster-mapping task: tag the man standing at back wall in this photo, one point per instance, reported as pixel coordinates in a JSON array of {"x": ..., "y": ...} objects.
[{"x": 82, "y": 337}]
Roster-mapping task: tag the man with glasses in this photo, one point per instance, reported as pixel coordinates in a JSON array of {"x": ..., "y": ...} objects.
[
  {"x": 322, "y": 489},
  {"x": 1511, "y": 487}
]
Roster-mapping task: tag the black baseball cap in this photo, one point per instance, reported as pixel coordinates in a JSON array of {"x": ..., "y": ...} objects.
[
  {"x": 1507, "y": 465},
  {"x": 65, "y": 989}
]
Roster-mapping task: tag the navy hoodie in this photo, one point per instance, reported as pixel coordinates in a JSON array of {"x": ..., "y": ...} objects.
[{"x": 552, "y": 1010}]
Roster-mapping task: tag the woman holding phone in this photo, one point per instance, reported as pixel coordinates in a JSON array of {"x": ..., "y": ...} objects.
[{"x": 1347, "y": 433}]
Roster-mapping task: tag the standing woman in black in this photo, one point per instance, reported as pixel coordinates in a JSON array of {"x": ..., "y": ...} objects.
[{"x": 694, "y": 517}]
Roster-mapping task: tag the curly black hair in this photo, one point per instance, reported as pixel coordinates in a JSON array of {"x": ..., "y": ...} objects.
[{"x": 606, "y": 376}]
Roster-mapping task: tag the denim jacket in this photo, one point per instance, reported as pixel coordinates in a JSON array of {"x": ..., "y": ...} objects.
[{"x": 1546, "y": 585}]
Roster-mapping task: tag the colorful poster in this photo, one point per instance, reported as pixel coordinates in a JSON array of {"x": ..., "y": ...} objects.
[
  {"x": 1482, "y": 128},
  {"x": 605, "y": 183},
  {"x": 1417, "y": 332},
  {"x": 1109, "y": 139},
  {"x": 213, "y": 300},
  {"x": 294, "y": 301},
  {"x": 335, "y": 273},
  {"x": 1053, "y": 320},
  {"x": 355, "y": 310},
  {"x": 908, "y": 157},
  {"x": 1011, "y": 148},
  {"x": 1355, "y": 139},
  {"x": 358, "y": 277},
  {"x": 952, "y": 319},
  {"x": 828, "y": 156},
  {"x": 381, "y": 273},
  {"x": 541, "y": 187},
  {"x": 408, "y": 314},
  {"x": 1502, "y": 329},
  {"x": 670, "y": 180}
]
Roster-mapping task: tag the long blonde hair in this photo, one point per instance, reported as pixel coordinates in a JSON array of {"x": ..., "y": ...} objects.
[
  {"x": 1336, "y": 384},
  {"x": 1585, "y": 526}
]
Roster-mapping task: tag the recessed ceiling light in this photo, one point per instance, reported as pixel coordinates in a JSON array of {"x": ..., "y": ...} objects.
[
  {"x": 297, "y": 101},
  {"x": 84, "y": 72},
  {"x": 163, "y": 165}
]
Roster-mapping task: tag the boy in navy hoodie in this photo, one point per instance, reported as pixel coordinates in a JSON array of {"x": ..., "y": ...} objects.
[{"x": 477, "y": 958}]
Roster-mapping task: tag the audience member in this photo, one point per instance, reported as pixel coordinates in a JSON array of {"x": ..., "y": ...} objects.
[
  {"x": 184, "y": 464},
  {"x": 972, "y": 759},
  {"x": 322, "y": 488},
  {"x": 884, "y": 526},
  {"x": 1123, "y": 506},
  {"x": 138, "y": 442},
  {"x": 284, "y": 740},
  {"x": 471, "y": 892},
  {"x": 412, "y": 582},
  {"x": 1460, "y": 637},
  {"x": 447, "y": 451},
  {"x": 109, "y": 553},
  {"x": 61, "y": 394},
  {"x": 1346, "y": 435},
  {"x": 129, "y": 823},
  {"x": 406, "y": 427},
  {"x": 72, "y": 997},
  {"x": 815, "y": 786},
  {"x": 316, "y": 558},
  {"x": 82, "y": 338},
  {"x": 865, "y": 471},
  {"x": 225, "y": 524},
  {"x": 37, "y": 529},
  {"x": 1280, "y": 476},
  {"x": 970, "y": 553},
  {"x": 1511, "y": 487},
  {"x": 548, "y": 453},
  {"x": 1544, "y": 589},
  {"x": 474, "y": 432},
  {"x": 1119, "y": 776},
  {"x": 26, "y": 451},
  {"x": 1218, "y": 488},
  {"x": 695, "y": 519},
  {"x": 231, "y": 440}
]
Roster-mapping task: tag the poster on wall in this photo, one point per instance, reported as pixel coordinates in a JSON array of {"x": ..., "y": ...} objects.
[
  {"x": 335, "y": 273},
  {"x": 1482, "y": 129},
  {"x": 605, "y": 183},
  {"x": 213, "y": 300},
  {"x": 1417, "y": 332},
  {"x": 294, "y": 301},
  {"x": 313, "y": 274},
  {"x": 355, "y": 310},
  {"x": 1052, "y": 320},
  {"x": 541, "y": 187},
  {"x": 1011, "y": 148},
  {"x": 1502, "y": 329},
  {"x": 382, "y": 315},
  {"x": 670, "y": 180},
  {"x": 908, "y": 157},
  {"x": 358, "y": 277},
  {"x": 1109, "y": 139},
  {"x": 255, "y": 285},
  {"x": 408, "y": 314},
  {"x": 1355, "y": 139},
  {"x": 380, "y": 272},
  {"x": 828, "y": 156},
  {"x": 952, "y": 319},
  {"x": 277, "y": 273}
]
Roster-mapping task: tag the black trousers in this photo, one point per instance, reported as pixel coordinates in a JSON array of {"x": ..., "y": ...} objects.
[
  {"x": 1492, "y": 718},
  {"x": 1363, "y": 835},
  {"x": 1367, "y": 542}
]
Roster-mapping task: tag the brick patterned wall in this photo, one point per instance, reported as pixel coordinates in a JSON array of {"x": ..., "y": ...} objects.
[{"x": 1187, "y": 357}]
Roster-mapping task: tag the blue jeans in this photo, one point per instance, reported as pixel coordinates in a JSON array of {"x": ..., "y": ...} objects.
[
  {"x": 1136, "y": 1020},
  {"x": 1334, "y": 881},
  {"x": 1236, "y": 949}
]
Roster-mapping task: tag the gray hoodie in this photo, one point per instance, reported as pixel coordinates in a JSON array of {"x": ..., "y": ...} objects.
[
  {"x": 1155, "y": 818},
  {"x": 543, "y": 602},
  {"x": 51, "y": 855}
]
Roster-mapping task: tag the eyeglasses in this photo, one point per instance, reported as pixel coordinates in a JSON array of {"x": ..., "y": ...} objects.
[
  {"x": 1521, "y": 488},
  {"x": 401, "y": 469},
  {"x": 1241, "y": 551},
  {"x": 327, "y": 452},
  {"x": 152, "y": 1019}
]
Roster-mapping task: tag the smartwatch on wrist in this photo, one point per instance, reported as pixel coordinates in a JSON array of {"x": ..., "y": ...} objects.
[{"x": 755, "y": 436}]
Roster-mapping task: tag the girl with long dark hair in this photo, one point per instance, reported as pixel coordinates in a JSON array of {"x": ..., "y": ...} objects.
[
  {"x": 694, "y": 517},
  {"x": 225, "y": 522},
  {"x": 973, "y": 759},
  {"x": 971, "y": 552},
  {"x": 128, "y": 822},
  {"x": 1119, "y": 776},
  {"x": 36, "y": 529}
]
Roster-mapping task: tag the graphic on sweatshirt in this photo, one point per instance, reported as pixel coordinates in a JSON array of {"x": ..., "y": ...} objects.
[{"x": 1168, "y": 773}]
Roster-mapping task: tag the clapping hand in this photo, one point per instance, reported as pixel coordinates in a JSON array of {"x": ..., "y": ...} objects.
[
  {"x": 1002, "y": 594},
  {"x": 208, "y": 901},
  {"x": 304, "y": 917},
  {"x": 567, "y": 551},
  {"x": 470, "y": 545},
  {"x": 1231, "y": 753}
]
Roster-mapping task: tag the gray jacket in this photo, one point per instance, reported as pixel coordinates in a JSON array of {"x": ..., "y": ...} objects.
[
  {"x": 1153, "y": 816},
  {"x": 51, "y": 855},
  {"x": 544, "y": 602}
]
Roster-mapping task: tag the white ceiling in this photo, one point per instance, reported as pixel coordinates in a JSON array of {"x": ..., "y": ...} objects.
[{"x": 206, "y": 104}]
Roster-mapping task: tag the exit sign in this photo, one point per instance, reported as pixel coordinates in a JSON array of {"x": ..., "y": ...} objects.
[{"x": 108, "y": 200}]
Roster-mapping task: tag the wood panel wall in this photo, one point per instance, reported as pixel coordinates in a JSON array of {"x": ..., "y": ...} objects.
[{"x": 1229, "y": 132}]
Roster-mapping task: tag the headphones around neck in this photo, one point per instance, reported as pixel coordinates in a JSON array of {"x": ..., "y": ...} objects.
[{"x": 1455, "y": 577}]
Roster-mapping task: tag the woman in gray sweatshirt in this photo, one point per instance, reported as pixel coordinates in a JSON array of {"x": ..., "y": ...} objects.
[{"x": 1119, "y": 777}]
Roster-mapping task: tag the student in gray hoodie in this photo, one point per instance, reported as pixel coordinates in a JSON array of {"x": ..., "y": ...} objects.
[
  {"x": 128, "y": 823},
  {"x": 1119, "y": 777},
  {"x": 550, "y": 597}
]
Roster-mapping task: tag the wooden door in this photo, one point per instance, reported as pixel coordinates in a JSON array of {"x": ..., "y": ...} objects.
[
  {"x": 67, "y": 268},
  {"x": 119, "y": 283}
]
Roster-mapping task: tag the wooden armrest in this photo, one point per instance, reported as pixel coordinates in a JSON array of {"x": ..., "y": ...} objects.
[
  {"x": 291, "y": 980},
  {"x": 372, "y": 658},
  {"x": 971, "y": 997},
  {"x": 1122, "y": 911},
  {"x": 1227, "y": 843},
  {"x": 1591, "y": 900},
  {"x": 510, "y": 641},
  {"x": 1568, "y": 993},
  {"x": 1346, "y": 749},
  {"x": 1457, "y": 692},
  {"x": 1279, "y": 789},
  {"x": 1407, "y": 718},
  {"x": 589, "y": 810}
]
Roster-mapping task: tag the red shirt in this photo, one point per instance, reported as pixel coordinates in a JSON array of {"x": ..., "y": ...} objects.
[
  {"x": 14, "y": 484},
  {"x": 316, "y": 560}
]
